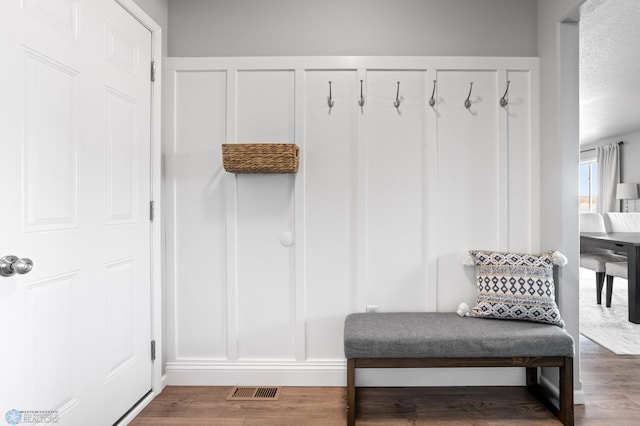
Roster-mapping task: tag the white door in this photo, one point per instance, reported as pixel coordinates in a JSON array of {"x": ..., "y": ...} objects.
[{"x": 75, "y": 176}]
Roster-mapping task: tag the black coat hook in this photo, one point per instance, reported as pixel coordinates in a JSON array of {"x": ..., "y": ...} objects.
[
  {"x": 396, "y": 103},
  {"x": 432, "y": 100},
  {"x": 361, "y": 100},
  {"x": 467, "y": 102},
  {"x": 504, "y": 100},
  {"x": 330, "y": 100}
]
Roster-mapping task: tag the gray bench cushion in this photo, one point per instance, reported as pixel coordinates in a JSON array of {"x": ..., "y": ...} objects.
[{"x": 448, "y": 335}]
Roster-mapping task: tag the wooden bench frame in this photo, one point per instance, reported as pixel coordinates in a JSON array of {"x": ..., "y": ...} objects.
[{"x": 562, "y": 407}]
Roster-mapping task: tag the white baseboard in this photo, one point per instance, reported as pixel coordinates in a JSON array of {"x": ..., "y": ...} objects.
[
  {"x": 324, "y": 373},
  {"x": 163, "y": 382},
  {"x": 330, "y": 373},
  {"x": 333, "y": 373},
  {"x": 549, "y": 386}
]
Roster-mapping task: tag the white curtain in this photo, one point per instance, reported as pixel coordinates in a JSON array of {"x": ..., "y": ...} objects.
[{"x": 608, "y": 160}]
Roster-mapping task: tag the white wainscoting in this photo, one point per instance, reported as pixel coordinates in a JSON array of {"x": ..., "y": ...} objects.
[{"x": 263, "y": 269}]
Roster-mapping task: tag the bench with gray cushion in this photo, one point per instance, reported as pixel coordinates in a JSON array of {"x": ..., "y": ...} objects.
[{"x": 438, "y": 339}]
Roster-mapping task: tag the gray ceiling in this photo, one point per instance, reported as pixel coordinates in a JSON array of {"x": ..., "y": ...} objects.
[{"x": 609, "y": 69}]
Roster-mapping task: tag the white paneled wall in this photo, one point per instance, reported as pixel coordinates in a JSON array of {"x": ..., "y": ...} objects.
[
  {"x": 330, "y": 224},
  {"x": 394, "y": 145},
  {"x": 387, "y": 200},
  {"x": 265, "y": 289},
  {"x": 523, "y": 160},
  {"x": 470, "y": 177},
  {"x": 198, "y": 209}
]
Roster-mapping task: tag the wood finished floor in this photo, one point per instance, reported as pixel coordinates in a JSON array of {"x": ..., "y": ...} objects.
[{"x": 611, "y": 385}]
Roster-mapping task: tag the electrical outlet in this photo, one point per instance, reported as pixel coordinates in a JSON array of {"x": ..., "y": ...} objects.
[{"x": 372, "y": 308}]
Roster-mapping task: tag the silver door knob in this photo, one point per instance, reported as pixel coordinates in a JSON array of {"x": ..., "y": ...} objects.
[{"x": 10, "y": 265}]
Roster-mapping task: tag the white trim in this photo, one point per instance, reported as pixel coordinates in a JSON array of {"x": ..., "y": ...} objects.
[
  {"x": 359, "y": 232},
  {"x": 430, "y": 221},
  {"x": 156, "y": 195},
  {"x": 330, "y": 373},
  {"x": 297, "y": 218},
  {"x": 567, "y": 106},
  {"x": 169, "y": 217},
  {"x": 276, "y": 373},
  {"x": 333, "y": 373},
  {"x": 503, "y": 164},
  {"x": 534, "y": 154},
  {"x": 352, "y": 62},
  {"x": 231, "y": 200}
]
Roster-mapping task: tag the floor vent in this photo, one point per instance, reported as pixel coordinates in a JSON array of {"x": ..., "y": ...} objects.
[{"x": 240, "y": 393}]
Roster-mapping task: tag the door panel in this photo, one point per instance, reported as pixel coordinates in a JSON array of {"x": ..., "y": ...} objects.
[
  {"x": 75, "y": 130},
  {"x": 122, "y": 159},
  {"x": 120, "y": 314},
  {"x": 50, "y": 144},
  {"x": 61, "y": 15},
  {"x": 49, "y": 373}
]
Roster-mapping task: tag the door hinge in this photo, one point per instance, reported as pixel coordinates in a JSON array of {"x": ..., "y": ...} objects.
[
  {"x": 153, "y": 70},
  {"x": 153, "y": 350},
  {"x": 152, "y": 210}
]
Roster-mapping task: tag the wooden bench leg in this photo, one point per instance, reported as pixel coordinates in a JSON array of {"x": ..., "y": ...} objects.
[
  {"x": 563, "y": 407},
  {"x": 532, "y": 376},
  {"x": 566, "y": 393},
  {"x": 351, "y": 392}
]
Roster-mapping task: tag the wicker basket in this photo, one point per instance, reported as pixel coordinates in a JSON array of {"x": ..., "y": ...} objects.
[{"x": 260, "y": 157}]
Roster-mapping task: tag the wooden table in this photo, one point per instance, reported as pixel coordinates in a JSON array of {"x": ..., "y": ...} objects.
[{"x": 624, "y": 242}]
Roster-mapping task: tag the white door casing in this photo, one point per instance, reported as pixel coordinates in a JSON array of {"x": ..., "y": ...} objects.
[{"x": 76, "y": 162}]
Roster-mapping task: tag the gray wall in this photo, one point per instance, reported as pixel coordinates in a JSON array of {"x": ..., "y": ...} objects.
[
  {"x": 630, "y": 158},
  {"x": 158, "y": 10},
  {"x": 352, "y": 27}
]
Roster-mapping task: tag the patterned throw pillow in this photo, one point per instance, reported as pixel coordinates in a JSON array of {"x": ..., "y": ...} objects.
[{"x": 516, "y": 286}]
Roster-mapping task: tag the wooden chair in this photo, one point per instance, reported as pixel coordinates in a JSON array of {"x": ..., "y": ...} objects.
[{"x": 596, "y": 259}]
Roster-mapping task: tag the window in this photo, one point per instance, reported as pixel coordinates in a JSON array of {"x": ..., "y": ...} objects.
[{"x": 588, "y": 186}]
